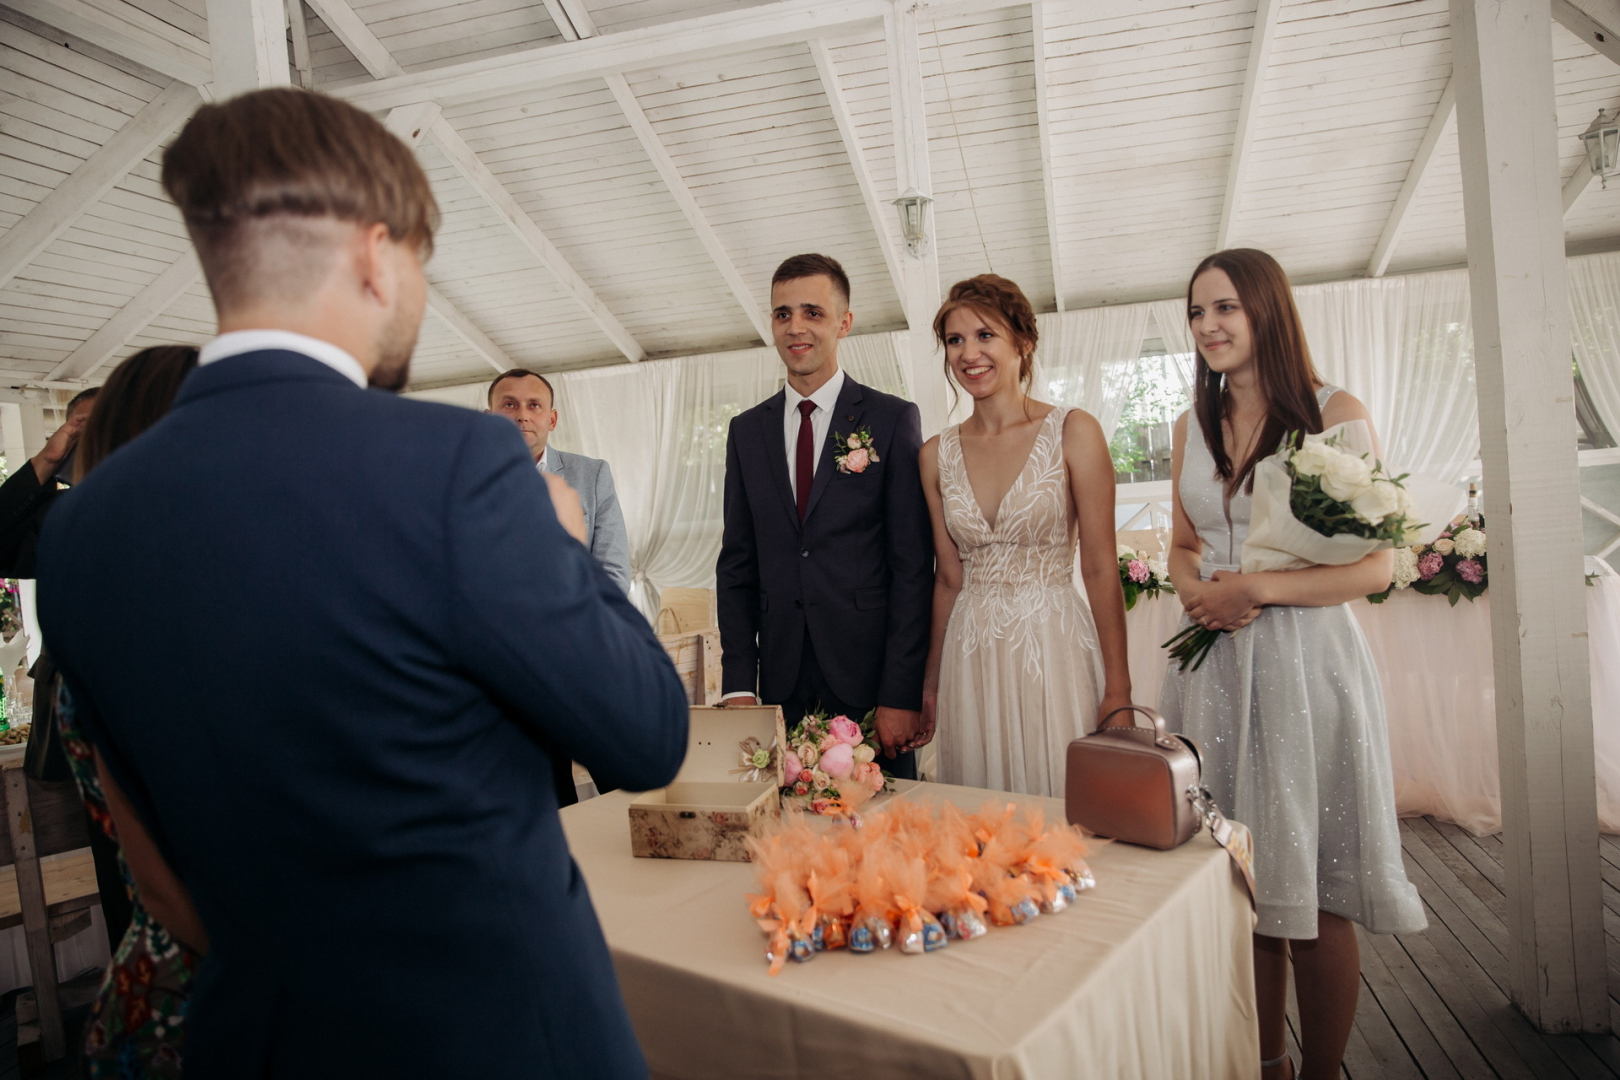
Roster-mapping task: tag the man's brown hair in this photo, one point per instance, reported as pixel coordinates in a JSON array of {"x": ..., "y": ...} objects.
[
  {"x": 522, "y": 373},
  {"x": 803, "y": 266},
  {"x": 278, "y": 156}
]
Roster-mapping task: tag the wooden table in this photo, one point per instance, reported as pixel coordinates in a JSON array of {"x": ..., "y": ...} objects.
[{"x": 1150, "y": 975}]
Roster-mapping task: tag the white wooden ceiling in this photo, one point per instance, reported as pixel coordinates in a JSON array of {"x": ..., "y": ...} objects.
[{"x": 639, "y": 208}]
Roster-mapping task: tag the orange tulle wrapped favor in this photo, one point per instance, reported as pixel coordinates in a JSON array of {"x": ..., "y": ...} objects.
[{"x": 916, "y": 874}]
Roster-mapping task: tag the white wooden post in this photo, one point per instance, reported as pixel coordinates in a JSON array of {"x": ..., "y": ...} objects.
[
  {"x": 919, "y": 272},
  {"x": 248, "y": 39},
  {"x": 1506, "y": 123}
]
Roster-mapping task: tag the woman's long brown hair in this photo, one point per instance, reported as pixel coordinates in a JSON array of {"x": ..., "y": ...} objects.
[
  {"x": 136, "y": 395},
  {"x": 1282, "y": 361}
]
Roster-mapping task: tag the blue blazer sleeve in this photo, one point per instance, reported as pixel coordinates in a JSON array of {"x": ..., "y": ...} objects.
[
  {"x": 563, "y": 650},
  {"x": 610, "y": 540}
]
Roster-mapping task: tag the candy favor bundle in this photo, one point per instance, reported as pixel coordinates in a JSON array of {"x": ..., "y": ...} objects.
[{"x": 912, "y": 875}]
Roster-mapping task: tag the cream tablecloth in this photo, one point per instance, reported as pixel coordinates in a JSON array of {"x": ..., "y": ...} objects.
[
  {"x": 1439, "y": 691},
  {"x": 1149, "y": 976}
]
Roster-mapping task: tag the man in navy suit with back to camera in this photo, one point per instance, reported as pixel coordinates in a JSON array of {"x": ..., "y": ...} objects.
[
  {"x": 327, "y": 644},
  {"x": 825, "y": 581}
]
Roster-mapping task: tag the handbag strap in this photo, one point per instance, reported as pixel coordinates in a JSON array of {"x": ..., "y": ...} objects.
[
  {"x": 1233, "y": 836},
  {"x": 1155, "y": 721}
]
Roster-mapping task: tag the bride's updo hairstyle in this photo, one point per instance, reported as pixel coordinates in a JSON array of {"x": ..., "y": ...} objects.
[
  {"x": 1282, "y": 361},
  {"x": 999, "y": 301}
]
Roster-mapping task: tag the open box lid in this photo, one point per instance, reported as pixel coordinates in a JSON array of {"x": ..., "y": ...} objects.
[{"x": 714, "y": 747}]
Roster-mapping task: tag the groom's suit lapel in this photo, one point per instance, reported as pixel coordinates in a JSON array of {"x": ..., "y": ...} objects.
[
  {"x": 846, "y": 419},
  {"x": 770, "y": 430}
]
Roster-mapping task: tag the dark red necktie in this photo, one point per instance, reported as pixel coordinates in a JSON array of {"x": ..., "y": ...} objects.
[{"x": 804, "y": 462}]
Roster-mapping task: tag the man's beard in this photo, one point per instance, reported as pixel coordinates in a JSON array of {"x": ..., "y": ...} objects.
[{"x": 394, "y": 351}]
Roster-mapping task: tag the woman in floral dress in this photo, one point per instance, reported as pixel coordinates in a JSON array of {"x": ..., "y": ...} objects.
[{"x": 136, "y": 1025}]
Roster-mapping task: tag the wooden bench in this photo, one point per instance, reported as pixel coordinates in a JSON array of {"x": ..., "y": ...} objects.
[{"x": 48, "y": 885}]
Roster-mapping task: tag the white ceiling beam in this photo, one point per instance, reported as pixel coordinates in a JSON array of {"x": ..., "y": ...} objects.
[
  {"x": 919, "y": 269},
  {"x": 699, "y": 222},
  {"x": 56, "y": 213},
  {"x": 410, "y": 123},
  {"x": 130, "y": 320},
  {"x": 1037, "y": 12},
  {"x": 879, "y": 212},
  {"x": 531, "y": 235},
  {"x": 705, "y": 37},
  {"x": 299, "y": 31},
  {"x": 463, "y": 328},
  {"x": 1265, "y": 26},
  {"x": 248, "y": 40},
  {"x": 1444, "y": 113},
  {"x": 1594, "y": 22},
  {"x": 125, "y": 30},
  {"x": 357, "y": 37}
]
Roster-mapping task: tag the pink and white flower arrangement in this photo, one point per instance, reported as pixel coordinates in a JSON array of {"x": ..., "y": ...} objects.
[
  {"x": 1452, "y": 566},
  {"x": 1141, "y": 576},
  {"x": 831, "y": 764}
]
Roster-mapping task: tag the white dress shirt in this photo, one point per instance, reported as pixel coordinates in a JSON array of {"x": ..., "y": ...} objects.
[
  {"x": 544, "y": 464},
  {"x": 826, "y": 400},
  {"x": 238, "y": 342}
]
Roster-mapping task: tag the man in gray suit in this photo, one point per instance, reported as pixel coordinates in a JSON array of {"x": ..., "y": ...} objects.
[{"x": 526, "y": 398}]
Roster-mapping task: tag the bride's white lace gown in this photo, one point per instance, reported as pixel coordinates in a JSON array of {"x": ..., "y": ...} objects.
[{"x": 1020, "y": 674}]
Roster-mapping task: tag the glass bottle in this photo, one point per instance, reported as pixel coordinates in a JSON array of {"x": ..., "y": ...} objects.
[{"x": 1473, "y": 504}]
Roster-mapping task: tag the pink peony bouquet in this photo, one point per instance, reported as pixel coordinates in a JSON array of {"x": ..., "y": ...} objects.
[
  {"x": 831, "y": 764},
  {"x": 1141, "y": 576},
  {"x": 1453, "y": 565}
]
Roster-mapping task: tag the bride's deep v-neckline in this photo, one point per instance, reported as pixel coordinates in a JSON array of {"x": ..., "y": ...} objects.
[{"x": 1018, "y": 480}]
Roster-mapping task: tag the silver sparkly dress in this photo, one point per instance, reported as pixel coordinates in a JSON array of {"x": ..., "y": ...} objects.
[{"x": 1289, "y": 716}]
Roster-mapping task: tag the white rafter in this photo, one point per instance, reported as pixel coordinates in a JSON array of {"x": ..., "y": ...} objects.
[
  {"x": 704, "y": 37},
  {"x": 125, "y": 30},
  {"x": 1444, "y": 113},
  {"x": 55, "y": 213},
  {"x": 879, "y": 212},
  {"x": 1593, "y": 22},
  {"x": 1265, "y": 26},
  {"x": 654, "y": 147},
  {"x": 359, "y": 40},
  {"x": 1037, "y": 15},
  {"x": 248, "y": 40},
  {"x": 130, "y": 320},
  {"x": 463, "y": 328},
  {"x": 299, "y": 33}
]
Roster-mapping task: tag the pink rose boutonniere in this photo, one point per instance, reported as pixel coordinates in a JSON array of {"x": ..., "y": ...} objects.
[{"x": 857, "y": 452}]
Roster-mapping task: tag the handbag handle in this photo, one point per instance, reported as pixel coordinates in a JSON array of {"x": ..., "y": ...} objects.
[{"x": 1130, "y": 711}]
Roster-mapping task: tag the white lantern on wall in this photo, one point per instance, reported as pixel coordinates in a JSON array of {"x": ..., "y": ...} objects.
[
  {"x": 1602, "y": 141},
  {"x": 913, "y": 207}
]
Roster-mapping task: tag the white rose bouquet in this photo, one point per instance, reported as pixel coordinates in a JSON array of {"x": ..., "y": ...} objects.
[{"x": 1323, "y": 500}]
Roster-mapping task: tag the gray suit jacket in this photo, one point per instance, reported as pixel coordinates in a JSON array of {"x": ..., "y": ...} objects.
[{"x": 605, "y": 534}]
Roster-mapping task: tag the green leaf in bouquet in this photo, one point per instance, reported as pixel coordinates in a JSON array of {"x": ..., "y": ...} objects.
[
  {"x": 1132, "y": 590},
  {"x": 1380, "y": 597}
]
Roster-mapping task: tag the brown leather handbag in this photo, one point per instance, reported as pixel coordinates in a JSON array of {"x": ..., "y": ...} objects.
[{"x": 1133, "y": 783}]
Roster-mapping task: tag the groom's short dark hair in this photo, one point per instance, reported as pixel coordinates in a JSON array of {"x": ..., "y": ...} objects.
[{"x": 803, "y": 266}]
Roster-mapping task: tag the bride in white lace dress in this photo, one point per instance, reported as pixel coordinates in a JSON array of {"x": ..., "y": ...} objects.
[{"x": 1019, "y": 663}]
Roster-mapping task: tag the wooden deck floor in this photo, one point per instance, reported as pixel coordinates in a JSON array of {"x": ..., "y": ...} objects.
[{"x": 1435, "y": 1004}]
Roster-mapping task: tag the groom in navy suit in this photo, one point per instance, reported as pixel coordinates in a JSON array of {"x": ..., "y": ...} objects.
[
  {"x": 327, "y": 644},
  {"x": 826, "y": 572}
]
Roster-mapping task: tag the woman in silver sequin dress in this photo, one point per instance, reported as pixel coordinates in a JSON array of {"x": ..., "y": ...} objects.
[{"x": 1287, "y": 710}]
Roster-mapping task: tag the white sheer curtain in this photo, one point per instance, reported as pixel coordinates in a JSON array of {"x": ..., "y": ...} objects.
[
  {"x": 876, "y": 360},
  {"x": 1594, "y": 325},
  {"x": 1087, "y": 359},
  {"x": 1170, "y": 317},
  {"x": 662, "y": 427},
  {"x": 1403, "y": 345}
]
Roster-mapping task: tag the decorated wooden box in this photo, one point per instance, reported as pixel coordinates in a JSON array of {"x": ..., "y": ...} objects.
[{"x": 729, "y": 783}]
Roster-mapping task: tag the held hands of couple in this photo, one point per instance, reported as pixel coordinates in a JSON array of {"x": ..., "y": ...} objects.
[
  {"x": 1225, "y": 602},
  {"x": 898, "y": 730}
]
